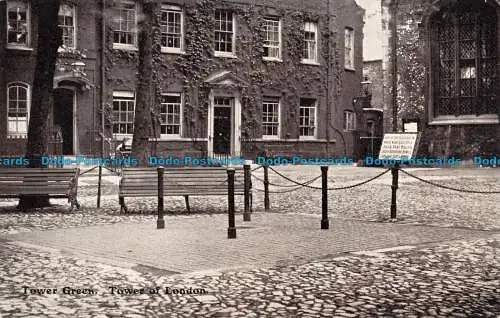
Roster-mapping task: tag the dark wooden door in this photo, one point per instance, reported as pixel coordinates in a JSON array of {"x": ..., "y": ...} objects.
[{"x": 63, "y": 117}]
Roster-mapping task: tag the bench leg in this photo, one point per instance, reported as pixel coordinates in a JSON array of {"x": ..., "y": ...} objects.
[
  {"x": 20, "y": 207},
  {"x": 186, "y": 199},
  {"x": 74, "y": 202},
  {"x": 123, "y": 207}
]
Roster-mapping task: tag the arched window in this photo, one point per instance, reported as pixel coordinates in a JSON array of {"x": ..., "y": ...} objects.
[
  {"x": 464, "y": 60},
  {"x": 18, "y": 103}
]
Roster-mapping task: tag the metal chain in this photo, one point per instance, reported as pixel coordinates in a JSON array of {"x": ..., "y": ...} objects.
[
  {"x": 111, "y": 170},
  {"x": 293, "y": 181},
  {"x": 361, "y": 183},
  {"x": 81, "y": 174},
  {"x": 256, "y": 168},
  {"x": 286, "y": 186},
  {"x": 338, "y": 188},
  {"x": 277, "y": 192},
  {"x": 446, "y": 187}
]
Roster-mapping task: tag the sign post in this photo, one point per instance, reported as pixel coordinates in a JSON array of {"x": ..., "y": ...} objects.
[{"x": 398, "y": 147}]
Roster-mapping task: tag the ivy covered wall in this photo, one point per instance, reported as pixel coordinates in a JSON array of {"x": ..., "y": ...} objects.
[{"x": 288, "y": 79}]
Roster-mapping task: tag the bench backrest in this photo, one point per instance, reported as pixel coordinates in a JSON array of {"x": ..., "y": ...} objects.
[
  {"x": 180, "y": 181},
  {"x": 51, "y": 181}
]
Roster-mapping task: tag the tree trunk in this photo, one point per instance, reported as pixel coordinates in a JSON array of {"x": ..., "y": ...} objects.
[
  {"x": 146, "y": 95},
  {"x": 49, "y": 39}
]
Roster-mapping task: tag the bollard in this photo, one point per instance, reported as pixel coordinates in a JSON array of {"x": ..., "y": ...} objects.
[
  {"x": 325, "y": 223},
  {"x": 99, "y": 188},
  {"x": 231, "y": 230},
  {"x": 246, "y": 212},
  {"x": 160, "y": 223},
  {"x": 266, "y": 188},
  {"x": 394, "y": 186}
]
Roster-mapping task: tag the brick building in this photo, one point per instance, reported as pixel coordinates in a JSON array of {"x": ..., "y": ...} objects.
[
  {"x": 232, "y": 77},
  {"x": 448, "y": 71}
]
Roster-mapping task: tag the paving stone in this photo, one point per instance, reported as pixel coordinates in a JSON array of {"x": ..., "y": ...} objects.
[{"x": 429, "y": 280}]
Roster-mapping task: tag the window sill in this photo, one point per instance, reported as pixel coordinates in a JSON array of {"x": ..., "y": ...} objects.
[
  {"x": 272, "y": 59},
  {"x": 270, "y": 137},
  {"x": 308, "y": 138},
  {"x": 170, "y": 137},
  {"x": 165, "y": 138},
  {"x": 310, "y": 62},
  {"x": 349, "y": 69},
  {"x": 66, "y": 49},
  {"x": 225, "y": 54},
  {"x": 165, "y": 50},
  {"x": 122, "y": 136},
  {"x": 125, "y": 47},
  {"x": 19, "y": 48},
  {"x": 301, "y": 139},
  {"x": 465, "y": 120}
]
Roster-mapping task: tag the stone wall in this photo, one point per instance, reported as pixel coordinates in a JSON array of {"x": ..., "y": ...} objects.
[
  {"x": 413, "y": 55},
  {"x": 373, "y": 70}
]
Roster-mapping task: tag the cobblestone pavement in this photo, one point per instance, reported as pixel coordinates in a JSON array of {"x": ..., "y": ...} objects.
[
  {"x": 197, "y": 243},
  {"x": 448, "y": 279},
  {"x": 455, "y": 279},
  {"x": 418, "y": 203}
]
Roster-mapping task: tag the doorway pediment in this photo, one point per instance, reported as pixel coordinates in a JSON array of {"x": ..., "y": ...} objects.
[
  {"x": 225, "y": 79},
  {"x": 71, "y": 79}
]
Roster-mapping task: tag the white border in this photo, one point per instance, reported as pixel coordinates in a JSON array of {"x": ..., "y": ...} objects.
[
  {"x": 14, "y": 46},
  {"x": 315, "y": 121},
  {"x": 172, "y": 50},
  {"x": 316, "y": 27},
  {"x": 231, "y": 54},
  {"x": 235, "y": 122},
  {"x": 131, "y": 47},
  {"x": 274, "y": 137},
  {"x": 280, "y": 51},
  {"x": 28, "y": 97},
  {"x": 353, "y": 54},
  {"x": 181, "y": 110}
]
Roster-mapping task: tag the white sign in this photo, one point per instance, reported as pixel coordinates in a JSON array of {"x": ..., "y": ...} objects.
[
  {"x": 398, "y": 146},
  {"x": 411, "y": 127}
]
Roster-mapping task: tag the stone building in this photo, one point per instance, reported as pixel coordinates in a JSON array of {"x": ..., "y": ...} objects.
[
  {"x": 233, "y": 77},
  {"x": 448, "y": 68}
]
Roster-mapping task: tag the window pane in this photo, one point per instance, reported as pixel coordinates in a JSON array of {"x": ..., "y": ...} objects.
[
  {"x": 123, "y": 112},
  {"x": 170, "y": 114},
  {"x": 13, "y": 93},
  {"x": 272, "y": 41},
  {"x": 223, "y": 31},
  {"x": 467, "y": 43},
  {"x": 124, "y": 23}
]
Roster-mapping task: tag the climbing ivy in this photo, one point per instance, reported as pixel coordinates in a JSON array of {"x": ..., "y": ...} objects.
[{"x": 188, "y": 71}]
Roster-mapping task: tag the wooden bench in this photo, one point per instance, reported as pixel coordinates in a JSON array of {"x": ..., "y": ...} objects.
[
  {"x": 195, "y": 181},
  {"x": 53, "y": 182}
]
